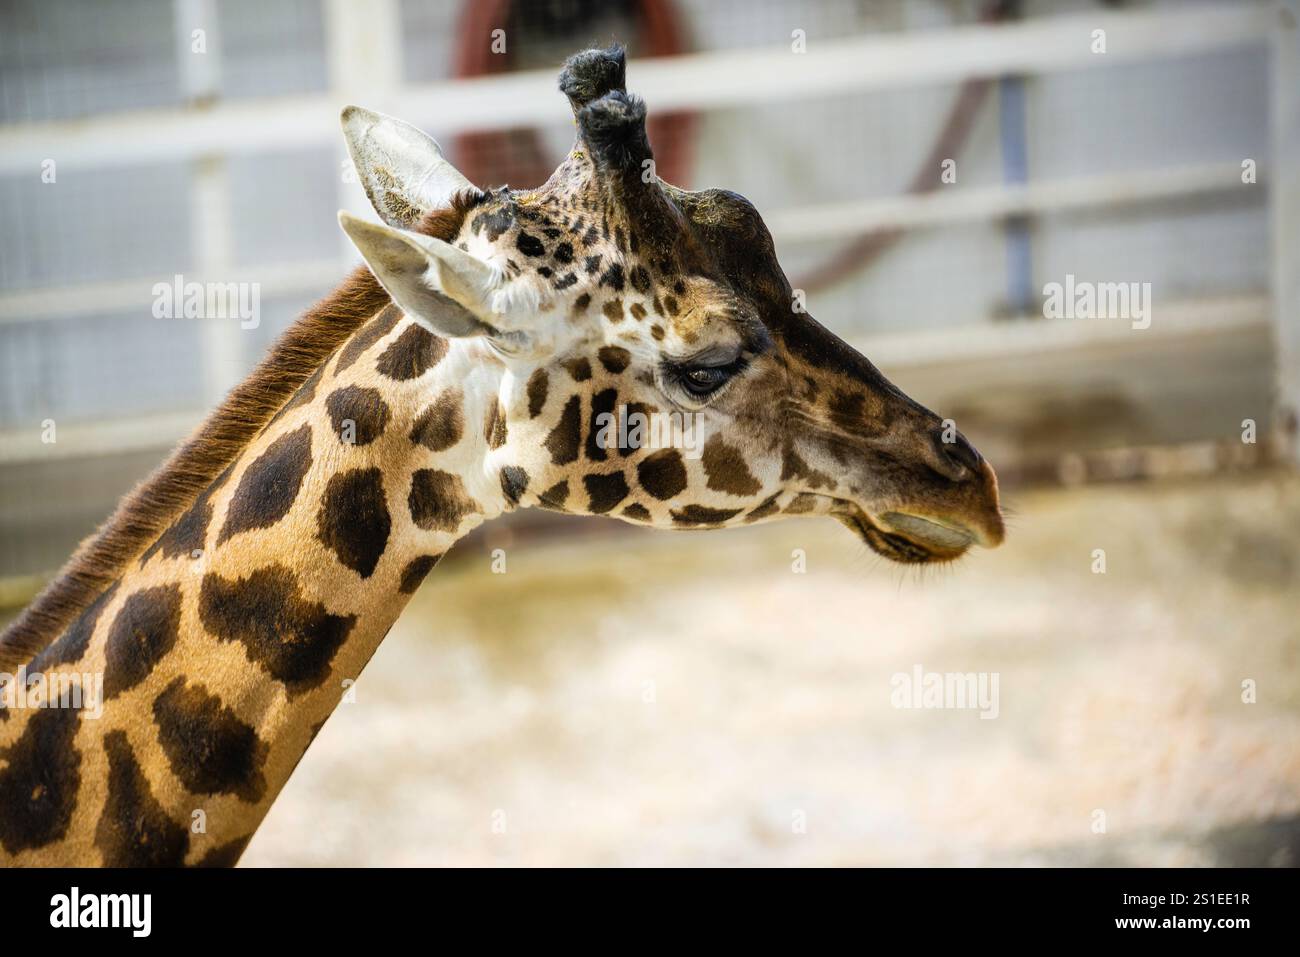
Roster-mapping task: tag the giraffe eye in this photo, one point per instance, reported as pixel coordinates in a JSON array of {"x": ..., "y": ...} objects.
[
  {"x": 701, "y": 381},
  {"x": 704, "y": 380}
]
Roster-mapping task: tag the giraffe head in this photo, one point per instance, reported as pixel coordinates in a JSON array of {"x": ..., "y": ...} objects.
[{"x": 657, "y": 365}]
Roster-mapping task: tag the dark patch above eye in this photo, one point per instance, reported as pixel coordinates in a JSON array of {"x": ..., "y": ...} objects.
[
  {"x": 578, "y": 367},
  {"x": 529, "y": 244},
  {"x": 614, "y": 358},
  {"x": 847, "y": 410}
]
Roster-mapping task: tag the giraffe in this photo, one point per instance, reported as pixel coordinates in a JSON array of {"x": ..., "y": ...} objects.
[{"x": 473, "y": 366}]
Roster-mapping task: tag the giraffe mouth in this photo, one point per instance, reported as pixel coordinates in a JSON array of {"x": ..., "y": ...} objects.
[{"x": 908, "y": 539}]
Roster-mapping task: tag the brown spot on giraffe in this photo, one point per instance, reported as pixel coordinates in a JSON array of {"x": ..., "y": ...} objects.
[
  {"x": 292, "y": 638},
  {"x": 143, "y": 632},
  {"x": 726, "y": 468},
  {"x": 39, "y": 781},
  {"x": 208, "y": 748},
  {"x": 605, "y": 491},
  {"x": 441, "y": 425},
  {"x": 134, "y": 829},
  {"x": 538, "y": 386},
  {"x": 374, "y": 330},
  {"x": 269, "y": 485},
  {"x": 662, "y": 474},
  {"x": 353, "y": 521},
  {"x": 415, "y": 572},
  {"x": 514, "y": 482},
  {"x": 564, "y": 439},
  {"x": 411, "y": 354},
  {"x": 614, "y": 358},
  {"x": 495, "y": 431},
  {"x": 439, "y": 501},
  {"x": 70, "y": 648},
  {"x": 703, "y": 515},
  {"x": 358, "y": 414}
]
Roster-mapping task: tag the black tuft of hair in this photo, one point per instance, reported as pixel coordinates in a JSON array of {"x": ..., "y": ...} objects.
[
  {"x": 613, "y": 127},
  {"x": 591, "y": 74}
]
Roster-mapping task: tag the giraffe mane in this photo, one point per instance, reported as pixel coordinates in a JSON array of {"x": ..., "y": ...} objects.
[{"x": 157, "y": 501}]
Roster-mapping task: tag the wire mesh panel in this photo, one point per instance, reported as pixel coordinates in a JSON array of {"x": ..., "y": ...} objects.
[{"x": 83, "y": 57}]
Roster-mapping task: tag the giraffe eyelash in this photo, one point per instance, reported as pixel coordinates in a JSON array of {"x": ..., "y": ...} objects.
[{"x": 679, "y": 375}]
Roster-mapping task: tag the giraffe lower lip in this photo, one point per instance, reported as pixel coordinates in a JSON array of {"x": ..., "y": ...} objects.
[{"x": 927, "y": 531}]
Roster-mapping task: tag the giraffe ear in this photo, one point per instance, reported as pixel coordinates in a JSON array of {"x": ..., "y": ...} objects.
[
  {"x": 402, "y": 169},
  {"x": 443, "y": 288}
]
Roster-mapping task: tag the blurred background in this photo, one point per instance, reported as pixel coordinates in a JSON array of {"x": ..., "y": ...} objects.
[{"x": 927, "y": 168}]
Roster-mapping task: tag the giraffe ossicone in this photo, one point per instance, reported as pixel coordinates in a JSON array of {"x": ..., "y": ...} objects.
[{"x": 491, "y": 356}]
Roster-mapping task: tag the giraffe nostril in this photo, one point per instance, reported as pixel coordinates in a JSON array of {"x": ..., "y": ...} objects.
[{"x": 958, "y": 453}]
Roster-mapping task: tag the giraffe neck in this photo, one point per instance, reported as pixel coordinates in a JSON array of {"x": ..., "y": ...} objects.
[{"x": 226, "y": 646}]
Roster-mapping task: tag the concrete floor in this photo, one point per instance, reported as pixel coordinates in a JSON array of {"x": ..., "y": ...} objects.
[{"x": 654, "y": 698}]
